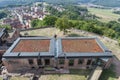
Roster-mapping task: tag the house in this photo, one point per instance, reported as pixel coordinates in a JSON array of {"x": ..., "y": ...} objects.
[
  {"x": 27, "y": 17},
  {"x": 70, "y": 52},
  {"x": 16, "y": 24},
  {"x": 7, "y": 21}
]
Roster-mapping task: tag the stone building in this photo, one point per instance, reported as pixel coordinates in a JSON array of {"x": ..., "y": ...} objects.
[{"x": 71, "y": 52}]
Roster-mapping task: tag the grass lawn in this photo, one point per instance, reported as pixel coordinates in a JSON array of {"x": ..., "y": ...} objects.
[
  {"x": 43, "y": 32},
  {"x": 17, "y": 78},
  {"x": 106, "y": 15}
]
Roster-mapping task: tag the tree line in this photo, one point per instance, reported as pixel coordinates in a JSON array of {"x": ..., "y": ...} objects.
[
  {"x": 110, "y": 29},
  {"x": 71, "y": 12}
]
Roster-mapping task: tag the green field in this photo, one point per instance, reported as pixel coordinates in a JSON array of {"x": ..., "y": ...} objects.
[{"x": 105, "y": 15}]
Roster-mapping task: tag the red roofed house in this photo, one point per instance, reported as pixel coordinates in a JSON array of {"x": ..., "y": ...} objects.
[
  {"x": 40, "y": 52},
  {"x": 7, "y": 21}
]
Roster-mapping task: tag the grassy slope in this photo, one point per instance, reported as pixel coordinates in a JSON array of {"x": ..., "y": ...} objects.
[{"x": 105, "y": 14}]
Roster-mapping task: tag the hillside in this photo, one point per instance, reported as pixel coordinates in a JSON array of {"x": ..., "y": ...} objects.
[
  {"x": 4, "y": 3},
  {"x": 109, "y": 3}
]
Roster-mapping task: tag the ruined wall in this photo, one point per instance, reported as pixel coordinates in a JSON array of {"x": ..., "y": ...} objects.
[
  {"x": 75, "y": 65},
  {"x": 23, "y": 64}
]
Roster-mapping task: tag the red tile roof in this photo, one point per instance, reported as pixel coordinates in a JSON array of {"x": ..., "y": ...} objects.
[
  {"x": 80, "y": 45},
  {"x": 32, "y": 46}
]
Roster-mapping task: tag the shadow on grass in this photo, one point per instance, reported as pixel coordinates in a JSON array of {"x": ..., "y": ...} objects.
[{"x": 108, "y": 74}]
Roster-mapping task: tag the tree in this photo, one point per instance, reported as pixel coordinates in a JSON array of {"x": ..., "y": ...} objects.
[
  {"x": 78, "y": 24},
  {"x": 40, "y": 5},
  {"x": 62, "y": 24},
  {"x": 119, "y": 41},
  {"x": 2, "y": 15},
  {"x": 49, "y": 20},
  {"x": 109, "y": 32},
  {"x": 119, "y": 19},
  {"x": 36, "y": 23},
  {"x": 110, "y": 24},
  {"x": 53, "y": 11},
  {"x": 117, "y": 12},
  {"x": 8, "y": 27},
  {"x": 88, "y": 27}
]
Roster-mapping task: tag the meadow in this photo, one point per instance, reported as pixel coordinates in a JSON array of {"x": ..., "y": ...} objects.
[{"x": 105, "y": 15}]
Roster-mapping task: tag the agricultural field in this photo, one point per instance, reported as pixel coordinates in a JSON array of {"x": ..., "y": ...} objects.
[{"x": 105, "y": 15}]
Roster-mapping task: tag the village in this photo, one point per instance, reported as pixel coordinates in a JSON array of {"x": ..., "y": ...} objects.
[{"x": 20, "y": 17}]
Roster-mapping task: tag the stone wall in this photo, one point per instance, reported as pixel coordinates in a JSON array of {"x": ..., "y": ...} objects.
[{"x": 23, "y": 64}]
